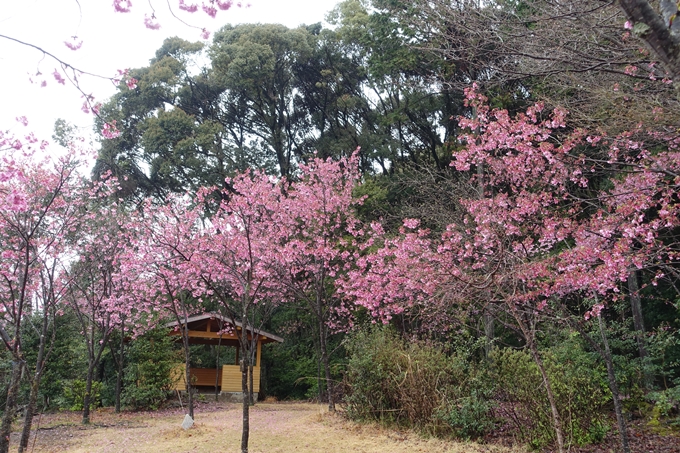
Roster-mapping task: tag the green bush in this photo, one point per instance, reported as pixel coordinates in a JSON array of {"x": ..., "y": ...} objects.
[
  {"x": 147, "y": 379},
  {"x": 415, "y": 384},
  {"x": 666, "y": 410},
  {"x": 73, "y": 395},
  {"x": 579, "y": 385}
]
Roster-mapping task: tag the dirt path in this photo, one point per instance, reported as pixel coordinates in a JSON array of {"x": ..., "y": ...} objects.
[{"x": 275, "y": 427}]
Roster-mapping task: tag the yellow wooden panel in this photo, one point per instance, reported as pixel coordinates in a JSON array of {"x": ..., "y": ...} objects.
[
  {"x": 231, "y": 378},
  {"x": 177, "y": 374}
]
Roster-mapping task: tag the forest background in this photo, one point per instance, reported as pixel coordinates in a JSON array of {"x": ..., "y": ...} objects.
[{"x": 496, "y": 182}]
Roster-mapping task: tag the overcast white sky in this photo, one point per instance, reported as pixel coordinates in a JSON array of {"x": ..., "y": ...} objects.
[{"x": 111, "y": 41}]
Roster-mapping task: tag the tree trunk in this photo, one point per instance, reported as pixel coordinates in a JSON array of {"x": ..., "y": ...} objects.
[
  {"x": 657, "y": 36},
  {"x": 251, "y": 396},
  {"x": 217, "y": 368},
  {"x": 323, "y": 346},
  {"x": 35, "y": 386},
  {"x": 245, "y": 432},
  {"x": 638, "y": 324},
  {"x": 10, "y": 405},
  {"x": 120, "y": 365},
  {"x": 611, "y": 376},
  {"x": 187, "y": 373},
  {"x": 28, "y": 416},
  {"x": 613, "y": 386},
  {"x": 557, "y": 420},
  {"x": 489, "y": 332},
  {"x": 327, "y": 370},
  {"x": 121, "y": 368},
  {"x": 88, "y": 397}
]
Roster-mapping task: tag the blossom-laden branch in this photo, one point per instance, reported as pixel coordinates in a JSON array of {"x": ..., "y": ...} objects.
[{"x": 546, "y": 226}]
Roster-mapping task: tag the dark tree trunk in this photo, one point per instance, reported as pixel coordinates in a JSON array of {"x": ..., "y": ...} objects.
[
  {"x": 35, "y": 385},
  {"x": 10, "y": 405},
  {"x": 613, "y": 386},
  {"x": 251, "y": 396},
  {"x": 28, "y": 416},
  {"x": 657, "y": 36},
  {"x": 611, "y": 376},
  {"x": 245, "y": 432},
  {"x": 489, "y": 332},
  {"x": 88, "y": 394},
  {"x": 557, "y": 420},
  {"x": 323, "y": 340},
  {"x": 326, "y": 365},
  {"x": 121, "y": 367},
  {"x": 638, "y": 324},
  {"x": 217, "y": 367},
  {"x": 187, "y": 371}
]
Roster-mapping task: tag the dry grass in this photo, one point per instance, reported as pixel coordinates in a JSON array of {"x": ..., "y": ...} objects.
[{"x": 275, "y": 427}]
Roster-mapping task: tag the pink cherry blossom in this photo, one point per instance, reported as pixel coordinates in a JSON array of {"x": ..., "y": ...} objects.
[
  {"x": 151, "y": 23},
  {"x": 58, "y": 77},
  {"x": 74, "y": 44},
  {"x": 110, "y": 131},
  {"x": 122, "y": 6},
  {"x": 189, "y": 8}
]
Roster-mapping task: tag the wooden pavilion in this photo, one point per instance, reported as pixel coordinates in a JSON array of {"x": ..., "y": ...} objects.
[{"x": 204, "y": 329}]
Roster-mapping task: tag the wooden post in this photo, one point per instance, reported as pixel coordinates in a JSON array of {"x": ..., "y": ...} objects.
[{"x": 259, "y": 352}]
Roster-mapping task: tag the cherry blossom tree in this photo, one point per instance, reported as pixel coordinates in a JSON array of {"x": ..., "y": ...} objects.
[
  {"x": 546, "y": 229},
  {"x": 97, "y": 243},
  {"x": 39, "y": 209},
  {"x": 320, "y": 207},
  {"x": 156, "y": 270},
  {"x": 240, "y": 252}
]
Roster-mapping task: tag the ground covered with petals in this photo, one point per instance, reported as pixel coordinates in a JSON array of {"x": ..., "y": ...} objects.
[{"x": 275, "y": 427}]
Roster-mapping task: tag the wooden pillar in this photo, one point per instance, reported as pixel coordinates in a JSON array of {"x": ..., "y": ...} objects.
[{"x": 259, "y": 353}]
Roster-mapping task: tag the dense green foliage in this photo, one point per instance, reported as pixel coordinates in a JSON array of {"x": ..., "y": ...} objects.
[
  {"x": 150, "y": 361},
  {"x": 578, "y": 380},
  {"x": 416, "y": 384}
]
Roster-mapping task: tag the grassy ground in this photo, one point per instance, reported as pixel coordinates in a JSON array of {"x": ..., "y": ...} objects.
[{"x": 275, "y": 427}]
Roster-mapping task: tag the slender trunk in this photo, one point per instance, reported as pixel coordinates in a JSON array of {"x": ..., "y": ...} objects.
[
  {"x": 88, "y": 394},
  {"x": 10, "y": 405},
  {"x": 28, "y": 416},
  {"x": 318, "y": 380},
  {"x": 323, "y": 344},
  {"x": 529, "y": 334},
  {"x": 557, "y": 421},
  {"x": 487, "y": 318},
  {"x": 489, "y": 332},
  {"x": 611, "y": 376},
  {"x": 35, "y": 386},
  {"x": 121, "y": 367},
  {"x": 95, "y": 359},
  {"x": 187, "y": 375},
  {"x": 329, "y": 381},
  {"x": 251, "y": 396},
  {"x": 638, "y": 323},
  {"x": 614, "y": 388},
  {"x": 245, "y": 432},
  {"x": 217, "y": 369}
]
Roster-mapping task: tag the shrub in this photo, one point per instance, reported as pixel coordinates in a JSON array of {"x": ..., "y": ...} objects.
[
  {"x": 147, "y": 378},
  {"x": 73, "y": 395},
  {"x": 415, "y": 384},
  {"x": 579, "y": 385}
]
